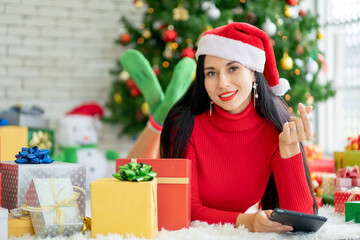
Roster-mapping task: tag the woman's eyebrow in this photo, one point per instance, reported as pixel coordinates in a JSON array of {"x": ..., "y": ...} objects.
[
  {"x": 212, "y": 68},
  {"x": 229, "y": 63}
]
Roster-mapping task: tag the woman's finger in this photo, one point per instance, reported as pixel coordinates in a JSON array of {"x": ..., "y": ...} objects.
[
  {"x": 300, "y": 128},
  {"x": 305, "y": 118},
  {"x": 293, "y": 132}
]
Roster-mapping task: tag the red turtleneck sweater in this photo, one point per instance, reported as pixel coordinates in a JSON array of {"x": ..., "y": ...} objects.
[{"x": 233, "y": 156}]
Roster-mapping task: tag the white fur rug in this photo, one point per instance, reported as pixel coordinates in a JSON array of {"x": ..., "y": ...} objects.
[{"x": 334, "y": 228}]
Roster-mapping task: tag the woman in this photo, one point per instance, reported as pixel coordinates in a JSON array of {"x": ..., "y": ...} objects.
[{"x": 242, "y": 142}]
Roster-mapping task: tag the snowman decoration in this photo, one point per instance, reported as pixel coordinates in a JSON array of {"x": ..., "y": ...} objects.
[{"x": 78, "y": 141}]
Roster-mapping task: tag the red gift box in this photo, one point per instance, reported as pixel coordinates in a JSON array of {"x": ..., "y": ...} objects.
[
  {"x": 323, "y": 165},
  {"x": 174, "y": 199},
  {"x": 340, "y": 197},
  {"x": 0, "y": 189}
]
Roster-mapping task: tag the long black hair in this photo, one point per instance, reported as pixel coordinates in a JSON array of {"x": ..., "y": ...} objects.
[{"x": 178, "y": 125}]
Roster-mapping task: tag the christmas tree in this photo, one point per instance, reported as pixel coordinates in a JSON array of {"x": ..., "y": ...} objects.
[{"x": 171, "y": 29}]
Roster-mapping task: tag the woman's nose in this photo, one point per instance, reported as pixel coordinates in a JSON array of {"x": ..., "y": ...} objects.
[{"x": 224, "y": 81}]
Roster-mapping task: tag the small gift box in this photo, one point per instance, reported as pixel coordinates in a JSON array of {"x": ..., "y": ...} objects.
[
  {"x": 12, "y": 139},
  {"x": 340, "y": 197},
  {"x": 19, "y": 223},
  {"x": 0, "y": 187},
  {"x": 347, "y": 177},
  {"x": 124, "y": 207},
  {"x": 3, "y": 223},
  {"x": 174, "y": 193},
  {"x": 53, "y": 208},
  {"x": 352, "y": 211},
  {"x": 318, "y": 201},
  {"x": 324, "y": 182},
  {"x": 16, "y": 179}
]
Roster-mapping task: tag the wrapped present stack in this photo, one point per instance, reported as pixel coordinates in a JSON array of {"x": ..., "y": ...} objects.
[
  {"x": 341, "y": 197},
  {"x": 125, "y": 204},
  {"x": 351, "y": 155},
  {"x": 19, "y": 189}
]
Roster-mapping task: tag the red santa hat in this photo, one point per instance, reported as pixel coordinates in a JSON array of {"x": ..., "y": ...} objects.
[
  {"x": 247, "y": 45},
  {"x": 91, "y": 109}
]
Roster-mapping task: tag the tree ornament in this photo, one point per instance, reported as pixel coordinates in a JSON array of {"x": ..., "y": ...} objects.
[
  {"x": 169, "y": 34},
  {"x": 269, "y": 27},
  {"x": 298, "y": 35},
  {"x": 156, "y": 70},
  {"x": 188, "y": 52},
  {"x": 206, "y": 5},
  {"x": 213, "y": 13},
  {"x": 124, "y": 76},
  {"x": 117, "y": 98},
  {"x": 302, "y": 12},
  {"x": 309, "y": 77},
  {"x": 299, "y": 50},
  {"x": 299, "y": 62},
  {"x": 312, "y": 66},
  {"x": 172, "y": 45},
  {"x": 280, "y": 22},
  {"x": 291, "y": 12},
  {"x": 286, "y": 62},
  {"x": 180, "y": 13},
  {"x": 208, "y": 28},
  {"x": 146, "y": 34},
  {"x": 125, "y": 38},
  {"x": 145, "y": 109},
  {"x": 292, "y": 2},
  {"x": 134, "y": 90},
  {"x": 168, "y": 53},
  {"x": 250, "y": 17},
  {"x": 139, "y": 3},
  {"x": 320, "y": 35}
]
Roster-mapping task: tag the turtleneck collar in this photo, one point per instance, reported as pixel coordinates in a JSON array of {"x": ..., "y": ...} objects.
[{"x": 235, "y": 122}]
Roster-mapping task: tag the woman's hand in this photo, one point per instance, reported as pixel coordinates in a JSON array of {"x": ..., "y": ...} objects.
[
  {"x": 260, "y": 222},
  {"x": 295, "y": 131}
]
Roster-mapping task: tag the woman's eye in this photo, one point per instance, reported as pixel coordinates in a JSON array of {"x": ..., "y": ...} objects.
[
  {"x": 232, "y": 69},
  {"x": 211, "y": 74}
]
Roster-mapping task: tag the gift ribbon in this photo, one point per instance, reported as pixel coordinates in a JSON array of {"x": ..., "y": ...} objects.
[
  {"x": 33, "y": 156},
  {"x": 168, "y": 180},
  {"x": 69, "y": 201},
  {"x": 135, "y": 172},
  {"x": 348, "y": 172},
  {"x": 355, "y": 191}
]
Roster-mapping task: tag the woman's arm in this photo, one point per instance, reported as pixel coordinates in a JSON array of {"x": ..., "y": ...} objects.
[{"x": 147, "y": 145}]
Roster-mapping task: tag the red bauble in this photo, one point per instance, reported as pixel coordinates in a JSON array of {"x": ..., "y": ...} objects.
[
  {"x": 188, "y": 52},
  {"x": 302, "y": 12},
  {"x": 156, "y": 70},
  {"x": 134, "y": 90},
  {"x": 169, "y": 35},
  {"x": 125, "y": 38},
  {"x": 292, "y": 2}
]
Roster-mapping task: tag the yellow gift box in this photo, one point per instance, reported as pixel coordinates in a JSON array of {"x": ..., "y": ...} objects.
[
  {"x": 347, "y": 158},
  {"x": 124, "y": 207},
  {"x": 13, "y": 138},
  {"x": 18, "y": 227}
]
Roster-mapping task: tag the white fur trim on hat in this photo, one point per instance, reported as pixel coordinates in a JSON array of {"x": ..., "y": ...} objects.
[
  {"x": 234, "y": 50},
  {"x": 281, "y": 88}
]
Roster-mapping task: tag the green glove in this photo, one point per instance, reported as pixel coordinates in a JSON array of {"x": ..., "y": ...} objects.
[
  {"x": 140, "y": 70},
  {"x": 179, "y": 83}
]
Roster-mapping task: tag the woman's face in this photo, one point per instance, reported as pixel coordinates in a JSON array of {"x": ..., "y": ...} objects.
[{"x": 228, "y": 83}]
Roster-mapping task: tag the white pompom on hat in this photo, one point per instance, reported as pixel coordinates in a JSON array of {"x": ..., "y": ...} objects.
[{"x": 247, "y": 45}]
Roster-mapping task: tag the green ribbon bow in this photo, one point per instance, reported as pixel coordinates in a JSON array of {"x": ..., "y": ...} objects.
[{"x": 135, "y": 172}]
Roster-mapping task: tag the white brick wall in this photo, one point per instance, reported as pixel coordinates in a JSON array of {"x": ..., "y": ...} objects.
[{"x": 56, "y": 54}]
